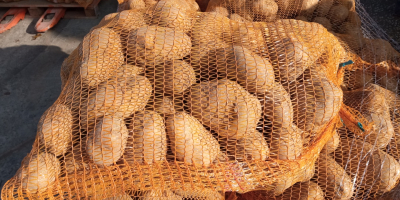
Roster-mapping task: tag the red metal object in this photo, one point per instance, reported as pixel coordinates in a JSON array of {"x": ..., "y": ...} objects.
[
  {"x": 16, "y": 14},
  {"x": 49, "y": 19}
]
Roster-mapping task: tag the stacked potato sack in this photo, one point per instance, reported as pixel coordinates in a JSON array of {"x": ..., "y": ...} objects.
[{"x": 162, "y": 101}]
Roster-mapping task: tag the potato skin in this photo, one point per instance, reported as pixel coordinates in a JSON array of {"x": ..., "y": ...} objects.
[
  {"x": 38, "y": 172},
  {"x": 190, "y": 141},
  {"x": 55, "y": 129},
  {"x": 252, "y": 147},
  {"x": 168, "y": 14},
  {"x": 252, "y": 72},
  {"x": 264, "y": 10},
  {"x": 323, "y": 7},
  {"x": 379, "y": 171},
  {"x": 121, "y": 96},
  {"x": 333, "y": 178},
  {"x": 172, "y": 77},
  {"x": 287, "y": 180},
  {"x": 147, "y": 140},
  {"x": 375, "y": 51},
  {"x": 101, "y": 53},
  {"x": 303, "y": 191},
  {"x": 332, "y": 144},
  {"x": 372, "y": 105},
  {"x": 338, "y": 14},
  {"x": 107, "y": 141},
  {"x": 152, "y": 45},
  {"x": 224, "y": 106}
]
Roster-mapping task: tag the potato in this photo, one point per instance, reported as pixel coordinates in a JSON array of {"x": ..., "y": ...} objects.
[
  {"x": 224, "y": 106},
  {"x": 128, "y": 71},
  {"x": 286, "y": 143},
  {"x": 249, "y": 35},
  {"x": 38, "y": 172},
  {"x": 287, "y": 49},
  {"x": 287, "y": 180},
  {"x": 303, "y": 191},
  {"x": 333, "y": 179},
  {"x": 377, "y": 50},
  {"x": 107, "y": 140},
  {"x": 200, "y": 194},
  {"x": 372, "y": 105},
  {"x": 101, "y": 53},
  {"x": 69, "y": 64},
  {"x": 152, "y": 45},
  {"x": 127, "y": 21},
  {"x": 316, "y": 100},
  {"x": 354, "y": 19},
  {"x": 348, "y": 3},
  {"x": 135, "y": 4},
  {"x": 117, "y": 96},
  {"x": 291, "y": 8},
  {"x": 338, "y": 14},
  {"x": 160, "y": 195},
  {"x": 252, "y": 72},
  {"x": 237, "y": 18},
  {"x": 332, "y": 144},
  {"x": 219, "y": 6},
  {"x": 168, "y": 14},
  {"x": 252, "y": 147},
  {"x": 302, "y": 18},
  {"x": 164, "y": 106},
  {"x": 264, "y": 10},
  {"x": 355, "y": 41},
  {"x": 148, "y": 139},
  {"x": 76, "y": 163},
  {"x": 172, "y": 77},
  {"x": 190, "y": 141},
  {"x": 324, "y": 22},
  {"x": 391, "y": 98},
  {"x": 108, "y": 21},
  {"x": 369, "y": 167},
  {"x": 307, "y": 7},
  {"x": 119, "y": 197},
  {"x": 323, "y": 8},
  {"x": 55, "y": 129}
]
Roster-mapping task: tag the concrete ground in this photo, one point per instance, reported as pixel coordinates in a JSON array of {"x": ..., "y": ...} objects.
[{"x": 30, "y": 80}]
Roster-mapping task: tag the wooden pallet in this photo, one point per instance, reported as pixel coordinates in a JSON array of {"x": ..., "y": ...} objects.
[{"x": 37, "y": 7}]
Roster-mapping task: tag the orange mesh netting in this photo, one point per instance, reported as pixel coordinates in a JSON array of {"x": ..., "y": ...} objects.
[{"x": 249, "y": 99}]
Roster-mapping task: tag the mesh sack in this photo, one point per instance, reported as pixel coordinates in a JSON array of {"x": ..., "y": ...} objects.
[{"x": 251, "y": 99}]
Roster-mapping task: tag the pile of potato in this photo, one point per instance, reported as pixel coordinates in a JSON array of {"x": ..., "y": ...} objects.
[{"x": 247, "y": 81}]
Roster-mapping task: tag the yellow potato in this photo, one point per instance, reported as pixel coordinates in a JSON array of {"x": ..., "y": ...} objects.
[
  {"x": 338, "y": 14},
  {"x": 172, "y": 77},
  {"x": 372, "y": 105},
  {"x": 190, "y": 141},
  {"x": 377, "y": 50},
  {"x": 168, "y": 14},
  {"x": 224, "y": 106},
  {"x": 332, "y": 144},
  {"x": 316, "y": 100},
  {"x": 291, "y": 8},
  {"x": 307, "y": 7},
  {"x": 237, "y": 17},
  {"x": 106, "y": 142},
  {"x": 119, "y": 197},
  {"x": 252, "y": 147},
  {"x": 127, "y": 21},
  {"x": 303, "y": 191},
  {"x": 117, "y": 96},
  {"x": 101, "y": 54},
  {"x": 354, "y": 40},
  {"x": 218, "y": 6},
  {"x": 159, "y": 194},
  {"x": 323, "y": 7},
  {"x": 250, "y": 35},
  {"x": 333, "y": 178},
  {"x": 252, "y": 72},
  {"x": 348, "y": 3},
  {"x": 324, "y": 22},
  {"x": 135, "y": 4},
  {"x": 264, "y": 10},
  {"x": 55, "y": 129},
  {"x": 371, "y": 168},
  {"x": 287, "y": 180},
  {"x": 152, "y": 45},
  {"x": 75, "y": 163},
  {"x": 148, "y": 142},
  {"x": 38, "y": 172},
  {"x": 128, "y": 71},
  {"x": 107, "y": 21},
  {"x": 200, "y": 194},
  {"x": 289, "y": 48},
  {"x": 164, "y": 106},
  {"x": 286, "y": 143}
]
